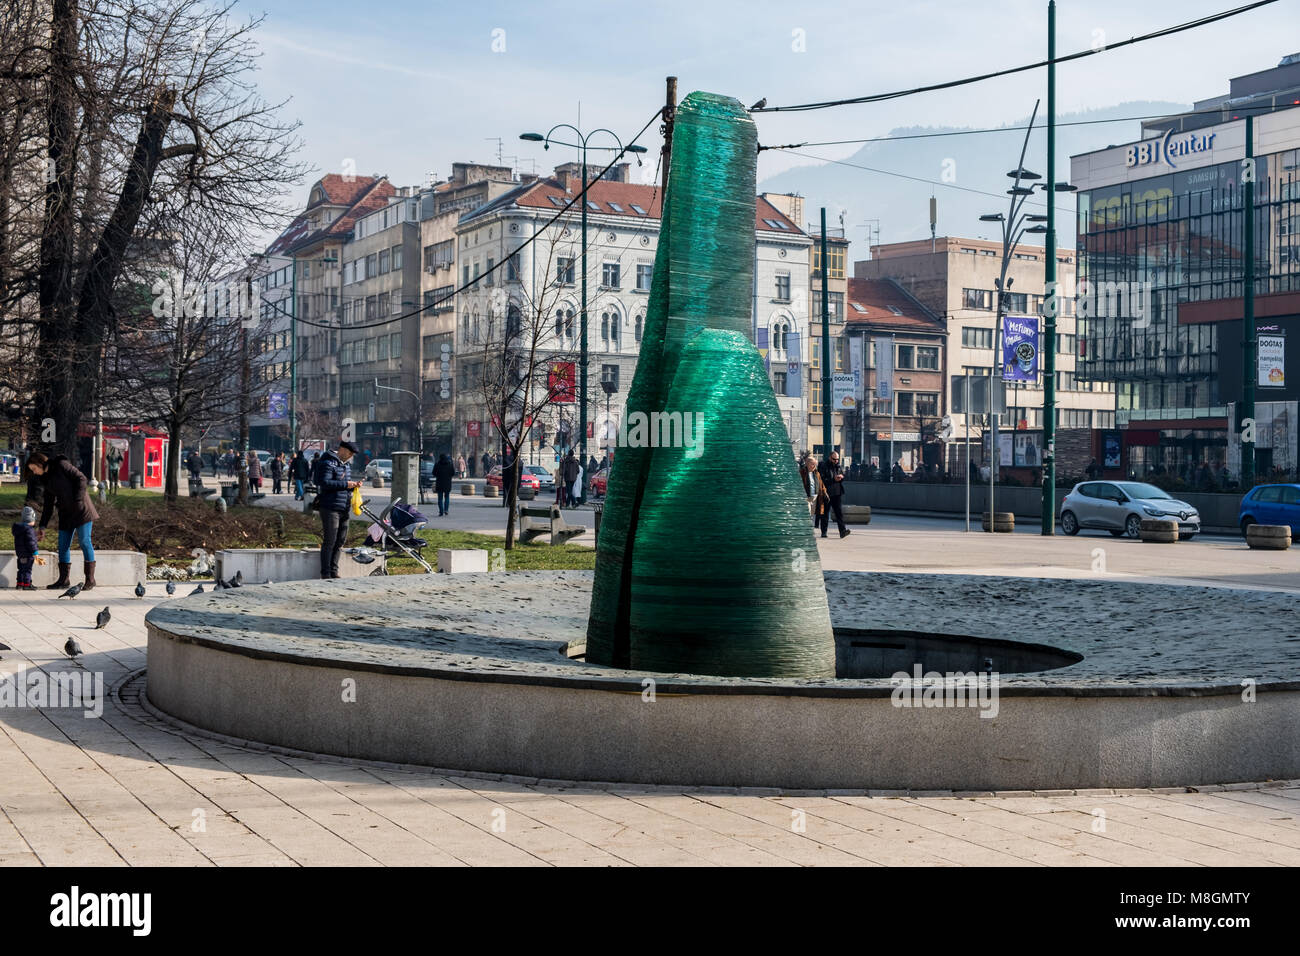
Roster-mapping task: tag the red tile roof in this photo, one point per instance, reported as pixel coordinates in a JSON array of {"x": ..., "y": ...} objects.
[
  {"x": 364, "y": 194},
  {"x": 602, "y": 192},
  {"x": 880, "y": 303}
]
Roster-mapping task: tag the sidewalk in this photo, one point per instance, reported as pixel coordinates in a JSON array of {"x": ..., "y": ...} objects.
[{"x": 129, "y": 788}]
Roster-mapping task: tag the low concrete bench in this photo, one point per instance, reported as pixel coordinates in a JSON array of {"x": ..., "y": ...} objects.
[
  {"x": 260, "y": 565},
  {"x": 856, "y": 514},
  {"x": 534, "y": 522},
  {"x": 1269, "y": 537},
  {"x": 112, "y": 568},
  {"x": 1003, "y": 522},
  {"x": 462, "y": 560},
  {"x": 1158, "y": 530}
]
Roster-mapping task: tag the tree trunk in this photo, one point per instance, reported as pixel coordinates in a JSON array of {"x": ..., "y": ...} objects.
[
  {"x": 171, "y": 490},
  {"x": 512, "y": 499}
]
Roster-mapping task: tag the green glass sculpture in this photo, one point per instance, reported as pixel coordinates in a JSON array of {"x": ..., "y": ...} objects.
[{"x": 706, "y": 561}]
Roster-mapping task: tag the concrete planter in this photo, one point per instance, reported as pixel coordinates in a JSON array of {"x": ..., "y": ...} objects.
[
  {"x": 467, "y": 489},
  {"x": 490, "y": 491},
  {"x": 526, "y": 493},
  {"x": 857, "y": 514},
  {"x": 1004, "y": 522},
  {"x": 1269, "y": 537},
  {"x": 1158, "y": 531},
  {"x": 112, "y": 568},
  {"x": 376, "y": 482}
]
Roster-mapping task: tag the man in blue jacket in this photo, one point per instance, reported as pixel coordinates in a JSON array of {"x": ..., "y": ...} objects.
[{"x": 332, "y": 476}]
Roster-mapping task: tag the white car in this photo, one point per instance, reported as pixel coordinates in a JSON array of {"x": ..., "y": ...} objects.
[
  {"x": 380, "y": 468},
  {"x": 1120, "y": 506}
]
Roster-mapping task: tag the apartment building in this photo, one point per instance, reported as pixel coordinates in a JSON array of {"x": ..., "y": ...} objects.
[
  {"x": 539, "y": 288},
  {"x": 954, "y": 278}
]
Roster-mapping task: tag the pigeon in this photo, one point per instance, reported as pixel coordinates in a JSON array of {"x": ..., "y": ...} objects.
[
  {"x": 198, "y": 590},
  {"x": 171, "y": 587},
  {"x": 236, "y": 581},
  {"x": 5, "y": 647},
  {"x": 362, "y": 557},
  {"x": 72, "y": 648},
  {"x": 71, "y": 592},
  {"x": 139, "y": 589},
  {"x": 760, "y": 104},
  {"x": 102, "y": 619}
]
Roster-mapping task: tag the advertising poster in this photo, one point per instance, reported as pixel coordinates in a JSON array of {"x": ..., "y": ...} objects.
[
  {"x": 277, "y": 406},
  {"x": 884, "y": 367},
  {"x": 855, "y": 364},
  {"x": 561, "y": 381},
  {"x": 1110, "y": 450},
  {"x": 843, "y": 392},
  {"x": 1019, "y": 348},
  {"x": 1027, "y": 452},
  {"x": 1271, "y": 357}
]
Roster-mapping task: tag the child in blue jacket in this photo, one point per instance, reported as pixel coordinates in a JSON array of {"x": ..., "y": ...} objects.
[{"x": 25, "y": 543}]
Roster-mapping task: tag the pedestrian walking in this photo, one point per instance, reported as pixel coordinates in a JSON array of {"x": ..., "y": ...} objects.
[
  {"x": 298, "y": 473},
  {"x": 897, "y": 474},
  {"x": 813, "y": 487},
  {"x": 1093, "y": 471},
  {"x": 443, "y": 472},
  {"x": 65, "y": 495},
  {"x": 26, "y": 546},
  {"x": 195, "y": 464},
  {"x": 833, "y": 478},
  {"x": 114, "y": 469},
  {"x": 576, "y": 491},
  {"x": 568, "y": 475},
  {"x": 254, "y": 471},
  {"x": 332, "y": 475},
  {"x": 460, "y": 465},
  {"x": 487, "y": 464},
  {"x": 277, "y": 473}
]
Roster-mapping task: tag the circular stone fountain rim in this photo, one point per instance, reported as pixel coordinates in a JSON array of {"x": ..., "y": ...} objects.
[{"x": 549, "y": 666}]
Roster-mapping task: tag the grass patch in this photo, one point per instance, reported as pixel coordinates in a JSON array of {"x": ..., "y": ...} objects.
[{"x": 137, "y": 520}]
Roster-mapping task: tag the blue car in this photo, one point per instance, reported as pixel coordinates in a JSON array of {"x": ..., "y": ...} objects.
[{"x": 1271, "y": 504}]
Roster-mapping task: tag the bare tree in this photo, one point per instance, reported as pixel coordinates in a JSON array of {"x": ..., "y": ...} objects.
[
  {"x": 527, "y": 335},
  {"x": 150, "y": 121}
]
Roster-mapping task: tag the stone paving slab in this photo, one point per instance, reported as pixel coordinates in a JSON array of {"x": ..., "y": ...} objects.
[{"x": 122, "y": 789}]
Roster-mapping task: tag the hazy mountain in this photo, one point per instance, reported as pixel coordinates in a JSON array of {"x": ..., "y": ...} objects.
[{"x": 966, "y": 173}]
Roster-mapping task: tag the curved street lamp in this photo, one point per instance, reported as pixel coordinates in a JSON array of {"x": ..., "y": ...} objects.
[{"x": 583, "y": 139}]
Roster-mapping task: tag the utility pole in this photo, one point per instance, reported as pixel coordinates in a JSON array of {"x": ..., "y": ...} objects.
[
  {"x": 1249, "y": 364},
  {"x": 293, "y": 355},
  {"x": 1049, "y": 277},
  {"x": 827, "y": 446}
]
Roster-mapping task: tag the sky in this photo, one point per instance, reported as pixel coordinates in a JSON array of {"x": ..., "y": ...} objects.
[{"x": 406, "y": 88}]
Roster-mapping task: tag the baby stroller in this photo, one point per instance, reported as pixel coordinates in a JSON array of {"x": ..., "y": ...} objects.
[{"x": 394, "y": 529}]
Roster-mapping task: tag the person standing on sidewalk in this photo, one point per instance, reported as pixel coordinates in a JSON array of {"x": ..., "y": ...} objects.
[
  {"x": 332, "y": 476},
  {"x": 26, "y": 547},
  {"x": 277, "y": 473},
  {"x": 443, "y": 472},
  {"x": 65, "y": 494},
  {"x": 832, "y": 476},
  {"x": 813, "y": 488},
  {"x": 299, "y": 471}
]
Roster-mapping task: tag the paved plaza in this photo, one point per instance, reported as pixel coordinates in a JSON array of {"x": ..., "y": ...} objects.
[{"x": 129, "y": 787}]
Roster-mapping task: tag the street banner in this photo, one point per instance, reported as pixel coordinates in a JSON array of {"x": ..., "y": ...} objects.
[
  {"x": 884, "y": 367},
  {"x": 1019, "y": 348},
  {"x": 277, "y": 406},
  {"x": 855, "y": 364},
  {"x": 1271, "y": 355},
  {"x": 561, "y": 382},
  {"x": 843, "y": 398},
  {"x": 761, "y": 343},
  {"x": 1111, "y": 444},
  {"x": 794, "y": 369},
  {"x": 473, "y": 429}
]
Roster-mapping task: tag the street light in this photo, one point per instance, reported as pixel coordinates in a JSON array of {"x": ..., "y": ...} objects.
[
  {"x": 582, "y": 346},
  {"x": 419, "y": 416}
]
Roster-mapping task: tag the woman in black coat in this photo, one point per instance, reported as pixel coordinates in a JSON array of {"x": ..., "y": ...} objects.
[
  {"x": 443, "y": 472},
  {"x": 65, "y": 493}
]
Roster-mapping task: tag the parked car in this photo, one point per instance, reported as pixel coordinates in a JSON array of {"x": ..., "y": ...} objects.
[
  {"x": 599, "y": 483},
  {"x": 545, "y": 480},
  {"x": 1271, "y": 504},
  {"x": 525, "y": 480},
  {"x": 1120, "y": 506},
  {"x": 380, "y": 468}
]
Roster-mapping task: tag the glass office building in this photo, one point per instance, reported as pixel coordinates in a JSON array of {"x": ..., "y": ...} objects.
[{"x": 1161, "y": 273}]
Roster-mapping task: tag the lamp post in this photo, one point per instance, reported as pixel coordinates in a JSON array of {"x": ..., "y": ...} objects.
[
  {"x": 419, "y": 417},
  {"x": 582, "y": 346}
]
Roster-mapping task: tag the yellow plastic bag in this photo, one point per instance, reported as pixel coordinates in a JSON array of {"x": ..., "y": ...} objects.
[{"x": 356, "y": 501}]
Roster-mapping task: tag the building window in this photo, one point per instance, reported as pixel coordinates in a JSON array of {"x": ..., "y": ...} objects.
[
  {"x": 783, "y": 288},
  {"x": 839, "y": 355},
  {"x": 778, "y": 383},
  {"x": 636, "y": 331},
  {"x": 383, "y": 261},
  {"x": 977, "y": 299},
  {"x": 836, "y": 301},
  {"x": 1103, "y": 419},
  {"x": 512, "y": 268},
  {"x": 564, "y": 271},
  {"x": 907, "y": 356},
  {"x": 395, "y": 256},
  {"x": 395, "y": 345},
  {"x": 609, "y": 275},
  {"x": 609, "y": 373},
  {"x": 927, "y": 357},
  {"x": 439, "y": 254},
  {"x": 815, "y": 394},
  {"x": 977, "y": 338},
  {"x": 906, "y": 406},
  {"x": 604, "y": 328},
  {"x": 491, "y": 276},
  {"x": 1017, "y": 302},
  {"x": 927, "y": 404},
  {"x": 1074, "y": 417},
  {"x": 644, "y": 273},
  {"x": 835, "y": 254}
]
